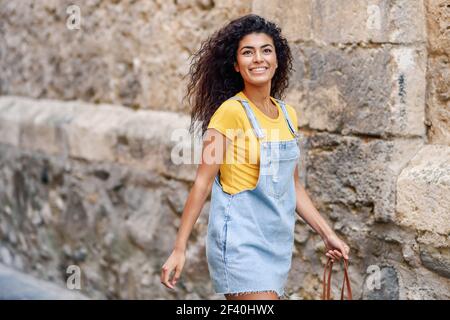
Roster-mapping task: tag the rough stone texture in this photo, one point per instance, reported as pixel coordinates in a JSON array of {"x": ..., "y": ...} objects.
[
  {"x": 438, "y": 75},
  {"x": 98, "y": 133},
  {"x": 133, "y": 53},
  {"x": 388, "y": 287},
  {"x": 293, "y": 16},
  {"x": 18, "y": 286},
  {"x": 423, "y": 200},
  {"x": 374, "y": 91},
  {"x": 105, "y": 218},
  {"x": 423, "y": 203},
  {"x": 341, "y": 21},
  {"x": 100, "y": 208},
  {"x": 357, "y": 175},
  {"x": 436, "y": 259}
]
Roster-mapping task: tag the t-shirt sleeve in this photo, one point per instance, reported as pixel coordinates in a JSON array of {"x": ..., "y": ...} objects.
[{"x": 227, "y": 120}]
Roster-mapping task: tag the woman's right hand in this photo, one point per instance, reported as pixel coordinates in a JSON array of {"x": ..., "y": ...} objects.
[{"x": 174, "y": 262}]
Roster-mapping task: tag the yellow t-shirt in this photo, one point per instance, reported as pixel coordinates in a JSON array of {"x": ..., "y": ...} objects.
[{"x": 240, "y": 169}]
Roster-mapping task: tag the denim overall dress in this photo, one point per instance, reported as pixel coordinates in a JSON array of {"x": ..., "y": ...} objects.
[{"x": 250, "y": 234}]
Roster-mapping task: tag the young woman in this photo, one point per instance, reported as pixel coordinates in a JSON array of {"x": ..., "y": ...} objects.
[{"x": 235, "y": 78}]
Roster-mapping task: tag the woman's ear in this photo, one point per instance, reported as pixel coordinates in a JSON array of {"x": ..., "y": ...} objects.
[{"x": 236, "y": 67}]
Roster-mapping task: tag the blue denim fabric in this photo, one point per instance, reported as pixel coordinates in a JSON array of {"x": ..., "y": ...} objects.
[{"x": 250, "y": 234}]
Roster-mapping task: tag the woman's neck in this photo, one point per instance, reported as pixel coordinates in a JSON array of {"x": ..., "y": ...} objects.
[{"x": 259, "y": 96}]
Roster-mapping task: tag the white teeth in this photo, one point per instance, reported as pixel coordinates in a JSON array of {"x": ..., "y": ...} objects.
[{"x": 258, "y": 69}]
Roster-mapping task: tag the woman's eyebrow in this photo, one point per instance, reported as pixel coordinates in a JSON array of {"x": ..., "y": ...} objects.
[{"x": 250, "y": 47}]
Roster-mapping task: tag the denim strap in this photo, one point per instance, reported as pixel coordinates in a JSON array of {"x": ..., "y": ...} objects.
[
  {"x": 251, "y": 116},
  {"x": 287, "y": 118}
]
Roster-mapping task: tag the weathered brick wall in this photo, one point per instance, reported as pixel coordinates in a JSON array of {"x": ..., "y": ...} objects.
[{"x": 95, "y": 185}]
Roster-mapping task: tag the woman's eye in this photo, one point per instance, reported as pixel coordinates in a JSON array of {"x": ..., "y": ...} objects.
[
  {"x": 245, "y": 52},
  {"x": 267, "y": 50}
]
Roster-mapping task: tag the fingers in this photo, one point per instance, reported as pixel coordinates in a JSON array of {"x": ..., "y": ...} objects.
[
  {"x": 165, "y": 272},
  {"x": 176, "y": 276},
  {"x": 334, "y": 255},
  {"x": 330, "y": 255},
  {"x": 337, "y": 254}
]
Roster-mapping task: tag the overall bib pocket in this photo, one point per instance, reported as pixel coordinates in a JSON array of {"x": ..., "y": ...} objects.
[{"x": 281, "y": 167}]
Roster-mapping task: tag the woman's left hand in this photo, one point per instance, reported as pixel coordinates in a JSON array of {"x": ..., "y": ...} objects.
[{"x": 336, "y": 248}]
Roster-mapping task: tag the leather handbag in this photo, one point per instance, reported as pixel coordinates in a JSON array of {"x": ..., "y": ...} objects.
[{"x": 326, "y": 289}]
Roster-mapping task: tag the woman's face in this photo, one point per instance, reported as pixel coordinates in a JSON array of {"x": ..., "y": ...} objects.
[{"x": 256, "y": 59}]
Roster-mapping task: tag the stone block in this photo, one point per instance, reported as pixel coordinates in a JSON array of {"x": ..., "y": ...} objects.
[
  {"x": 341, "y": 21},
  {"x": 382, "y": 286},
  {"x": 372, "y": 91},
  {"x": 423, "y": 189},
  {"x": 124, "y": 53},
  {"x": 152, "y": 140},
  {"x": 359, "y": 174},
  {"x": 438, "y": 72},
  {"x": 294, "y": 17}
]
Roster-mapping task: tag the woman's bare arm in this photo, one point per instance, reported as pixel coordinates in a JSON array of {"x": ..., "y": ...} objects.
[
  {"x": 212, "y": 156},
  {"x": 213, "y": 153},
  {"x": 306, "y": 210}
]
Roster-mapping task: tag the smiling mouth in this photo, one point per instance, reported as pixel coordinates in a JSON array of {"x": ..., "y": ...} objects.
[{"x": 259, "y": 69}]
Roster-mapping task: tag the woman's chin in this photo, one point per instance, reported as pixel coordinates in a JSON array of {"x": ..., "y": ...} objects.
[{"x": 259, "y": 82}]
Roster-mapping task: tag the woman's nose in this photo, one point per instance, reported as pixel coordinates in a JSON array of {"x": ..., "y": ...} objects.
[{"x": 258, "y": 56}]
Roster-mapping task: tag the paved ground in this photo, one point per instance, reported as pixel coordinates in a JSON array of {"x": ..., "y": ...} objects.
[{"x": 15, "y": 285}]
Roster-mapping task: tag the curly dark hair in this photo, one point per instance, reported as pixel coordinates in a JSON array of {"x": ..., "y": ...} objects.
[{"x": 212, "y": 77}]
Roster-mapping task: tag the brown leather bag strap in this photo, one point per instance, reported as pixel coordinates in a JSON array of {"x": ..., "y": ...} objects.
[
  {"x": 346, "y": 282},
  {"x": 326, "y": 285}
]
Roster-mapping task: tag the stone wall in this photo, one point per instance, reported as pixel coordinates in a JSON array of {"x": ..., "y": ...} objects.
[
  {"x": 132, "y": 53},
  {"x": 365, "y": 71},
  {"x": 438, "y": 76},
  {"x": 19, "y": 286},
  {"x": 95, "y": 185}
]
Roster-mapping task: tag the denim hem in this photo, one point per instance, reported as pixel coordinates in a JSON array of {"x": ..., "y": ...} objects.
[{"x": 280, "y": 293}]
